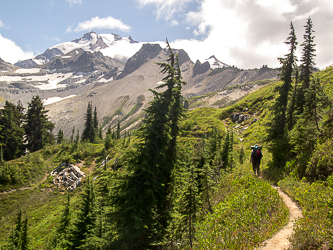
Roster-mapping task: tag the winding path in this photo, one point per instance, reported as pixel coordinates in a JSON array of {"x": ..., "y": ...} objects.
[
  {"x": 280, "y": 239},
  {"x": 24, "y": 188}
]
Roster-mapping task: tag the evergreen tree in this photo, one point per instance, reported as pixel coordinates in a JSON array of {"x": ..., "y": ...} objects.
[
  {"x": 15, "y": 237},
  {"x": 140, "y": 214},
  {"x": 118, "y": 131},
  {"x": 84, "y": 220},
  {"x": 225, "y": 151},
  {"x": 241, "y": 155},
  {"x": 186, "y": 106},
  {"x": 95, "y": 121},
  {"x": 100, "y": 133},
  {"x": 277, "y": 135},
  {"x": 38, "y": 128},
  {"x": 60, "y": 240},
  {"x": 109, "y": 131},
  {"x": 307, "y": 65},
  {"x": 292, "y": 106},
  {"x": 18, "y": 238},
  {"x": 89, "y": 129},
  {"x": 60, "y": 136},
  {"x": 24, "y": 234},
  {"x": 72, "y": 135},
  {"x": 11, "y": 121}
]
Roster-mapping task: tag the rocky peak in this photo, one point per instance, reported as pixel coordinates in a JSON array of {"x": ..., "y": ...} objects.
[
  {"x": 215, "y": 63},
  {"x": 131, "y": 40},
  {"x": 96, "y": 42},
  {"x": 147, "y": 52},
  {"x": 199, "y": 68}
]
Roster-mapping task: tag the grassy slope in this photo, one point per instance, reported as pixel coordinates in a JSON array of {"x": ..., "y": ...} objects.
[{"x": 44, "y": 203}]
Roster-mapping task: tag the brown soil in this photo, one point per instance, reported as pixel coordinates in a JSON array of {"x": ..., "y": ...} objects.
[{"x": 280, "y": 239}]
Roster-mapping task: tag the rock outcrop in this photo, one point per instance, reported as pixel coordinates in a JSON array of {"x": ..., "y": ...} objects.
[
  {"x": 147, "y": 52},
  {"x": 67, "y": 176}
]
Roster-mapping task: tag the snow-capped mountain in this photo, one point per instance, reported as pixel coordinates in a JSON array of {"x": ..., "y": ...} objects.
[
  {"x": 112, "y": 45},
  {"x": 215, "y": 63}
]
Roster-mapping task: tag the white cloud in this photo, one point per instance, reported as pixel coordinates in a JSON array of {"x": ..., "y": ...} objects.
[
  {"x": 2, "y": 25},
  {"x": 69, "y": 29},
  {"x": 249, "y": 33},
  {"x": 10, "y": 52},
  {"x": 72, "y": 2},
  {"x": 166, "y": 8},
  {"x": 57, "y": 39},
  {"x": 174, "y": 22},
  {"x": 100, "y": 23}
]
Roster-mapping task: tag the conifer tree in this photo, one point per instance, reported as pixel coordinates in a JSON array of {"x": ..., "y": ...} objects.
[
  {"x": 61, "y": 237},
  {"x": 38, "y": 128},
  {"x": 307, "y": 65},
  {"x": 109, "y": 131},
  {"x": 60, "y": 136},
  {"x": 84, "y": 220},
  {"x": 95, "y": 121},
  {"x": 11, "y": 121},
  {"x": 89, "y": 131},
  {"x": 118, "y": 131},
  {"x": 18, "y": 238},
  {"x": 24, "y": 234},
  {"x": 225, "y": 151},
  {"x": 277, "y": 135},
  {"x": 72, "y": 135},
  {"x": 15, "y": 237},
  {"x": 140, "y": 215}
]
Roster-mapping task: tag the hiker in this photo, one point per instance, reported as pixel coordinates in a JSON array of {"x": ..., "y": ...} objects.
[{"x": 255, "y": 158}]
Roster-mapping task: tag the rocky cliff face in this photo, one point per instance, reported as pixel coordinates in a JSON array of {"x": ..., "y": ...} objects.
[
  {"x": 83, "y": 61},
  {"x": 147, "y": 52},
  {"x": 6, "y": 67},
  {"x": 199, "y": 68}
]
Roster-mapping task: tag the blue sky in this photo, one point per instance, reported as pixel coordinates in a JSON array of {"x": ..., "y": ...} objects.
[{"x": 245, "y": 33}]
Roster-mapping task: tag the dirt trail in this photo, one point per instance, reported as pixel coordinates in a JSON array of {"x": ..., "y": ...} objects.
[
  {"x": 24, "y": 188},
  {"x": 280, "y": 239}
]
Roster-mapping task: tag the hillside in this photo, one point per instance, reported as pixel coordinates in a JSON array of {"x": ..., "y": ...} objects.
[
  {"x": 69, "y": 75},
  {"x": 217, "y": 200}
]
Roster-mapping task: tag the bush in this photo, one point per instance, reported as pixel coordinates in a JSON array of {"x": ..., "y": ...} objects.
[
  {"x": 321, "y": 162},
  {"x": 313, "y": 230},
  {"x": 9, "y": 174},
  {"x": 244, "y": 219}
]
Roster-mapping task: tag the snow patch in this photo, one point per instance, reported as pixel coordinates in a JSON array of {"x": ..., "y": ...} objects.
[
  {"x": 160, "y": 82},
  {"x": 105, "y": 80},
  {"x": 66, "y": 57},
  {"x": 81, "y": 81},
  {"x": 55, "y": 99},
  {"x": 27, "y": 71}
]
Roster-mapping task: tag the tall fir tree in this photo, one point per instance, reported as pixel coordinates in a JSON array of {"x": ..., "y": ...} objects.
[
  {"x": 95, "y": 121},
  {"x": 84, "y": 219},
  {"x": 11, "y": 121},
  {"x": 277, "y": 135},
  {"x": 60, "y": 136},
  {"x": 89, "y": 131},
  {"x": 118, "y": 131},
  {"x": 307, "y": 65},
  {"x": 61, "y": 238},
  {"x": 72, "y": 135},
  {"x": 38, "y": 128},
  {"x": 24, "y": 234},
  {"x": 140, "y": 214}
]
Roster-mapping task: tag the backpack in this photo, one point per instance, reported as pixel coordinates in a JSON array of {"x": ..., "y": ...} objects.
[{"x": 256, "y": 154}]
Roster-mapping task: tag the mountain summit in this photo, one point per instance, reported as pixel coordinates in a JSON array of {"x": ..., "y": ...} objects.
[
  {"x": 215, "y": 63},
  {"x": 112, "y": 45}
]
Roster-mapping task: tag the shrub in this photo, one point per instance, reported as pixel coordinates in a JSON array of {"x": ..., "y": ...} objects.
[
  {"x": 321, "y": 162},
  {"x": 245, "y": 218},
  {"x": 313, "y": 230}
]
